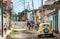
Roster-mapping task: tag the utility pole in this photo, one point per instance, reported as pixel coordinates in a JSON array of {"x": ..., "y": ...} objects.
[
  {"x": 42, "y": 11},
  {"x": 24, "y": 6},
  {"x": 2, "y": 16},
  {"x": 28, "y": 7},
  {"x": 12, "y": 12},
  {"x": 33, "y": 12},
  {"x": 12, "y": 8}
]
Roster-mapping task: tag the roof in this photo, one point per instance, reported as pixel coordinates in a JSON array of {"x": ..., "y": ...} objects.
[
  {"x": 53, "y": 5},
  {"x": 44, "y": 23},
  {"x": 49, "y": 2}
]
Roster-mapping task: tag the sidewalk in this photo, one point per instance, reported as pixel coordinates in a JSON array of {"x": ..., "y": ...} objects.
[{"x": 57, "y": 35}]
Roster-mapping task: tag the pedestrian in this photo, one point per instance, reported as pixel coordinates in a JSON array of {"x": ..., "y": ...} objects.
[
  {"x": 28, "y": 25},
  {"x": 5, "y": 28},
  {"x": 32, "y": 24}
]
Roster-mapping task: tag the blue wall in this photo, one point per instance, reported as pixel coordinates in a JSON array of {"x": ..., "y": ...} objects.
[
  {"x": 16, "y": 18},
  {"x": 55, "y": 21}
]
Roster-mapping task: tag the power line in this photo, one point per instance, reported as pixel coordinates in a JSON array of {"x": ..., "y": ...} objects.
[
  {"x": 33, "y": 12},
  {"x": 42, "y": 11}
]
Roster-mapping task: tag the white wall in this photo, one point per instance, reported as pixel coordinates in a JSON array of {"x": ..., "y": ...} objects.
[
  {"x": 0, "y": 18},
  {"x": 50, "y": 19},
  {"x": 29, "y": 15},
  {"x": 6, "y": 20},
  {"x": 59, "y": 21}
]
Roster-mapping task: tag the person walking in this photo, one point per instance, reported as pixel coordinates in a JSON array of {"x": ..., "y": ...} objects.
[
  {"x": 5, "y": 28},
  {"x": 28, "y": 25},
  {"x": 32, "y": 25}
]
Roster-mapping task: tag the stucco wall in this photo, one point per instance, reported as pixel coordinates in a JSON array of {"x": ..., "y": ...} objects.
[{"x": 6, "y": 20}]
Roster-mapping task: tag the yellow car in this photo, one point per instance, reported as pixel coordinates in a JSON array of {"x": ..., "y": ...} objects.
[{"x": 45, "y": 29}]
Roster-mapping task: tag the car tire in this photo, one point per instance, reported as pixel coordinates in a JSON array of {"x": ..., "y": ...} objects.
[
  {"x": 51, "y": 35},
  {"x": 39, "y": 35}
]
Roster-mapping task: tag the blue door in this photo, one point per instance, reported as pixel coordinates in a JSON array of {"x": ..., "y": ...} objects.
[{"x": 55, "y": 23}]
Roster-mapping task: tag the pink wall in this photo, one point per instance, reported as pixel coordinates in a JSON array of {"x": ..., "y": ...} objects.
[{"x": 9, "y": 3}]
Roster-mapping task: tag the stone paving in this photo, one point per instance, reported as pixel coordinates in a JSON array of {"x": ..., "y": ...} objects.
[{"x": 26, "y": 34}]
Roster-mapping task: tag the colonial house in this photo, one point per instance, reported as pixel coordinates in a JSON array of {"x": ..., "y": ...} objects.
[
  {"x": 53, "y": 16},
  {"x": 20, "y": 17},
  {"x": 6, "y": 16},
  {"x": 30, "y": 16},
  {"x": 46, "y": 5},
  {"x": 37, "y": 15},
  {"x": 41, "y": 16}
]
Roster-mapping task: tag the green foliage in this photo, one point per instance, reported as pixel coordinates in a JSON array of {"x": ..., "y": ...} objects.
[
  {"x": 25, "y": 11},
  {"x": 19, "y": 12},
  {"x": 13, "y": 32}
]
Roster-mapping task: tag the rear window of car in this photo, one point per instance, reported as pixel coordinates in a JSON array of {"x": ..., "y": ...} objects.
[{"x": 45, "y": 25}]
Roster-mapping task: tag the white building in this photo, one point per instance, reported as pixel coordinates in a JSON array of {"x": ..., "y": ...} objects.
[{"x": 30, "y": 16}]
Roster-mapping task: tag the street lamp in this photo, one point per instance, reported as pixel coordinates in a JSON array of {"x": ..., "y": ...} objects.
[{"x": 2, "y": 16}]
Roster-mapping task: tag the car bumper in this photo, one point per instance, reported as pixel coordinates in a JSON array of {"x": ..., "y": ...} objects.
[{"x": 45, "y": 35}]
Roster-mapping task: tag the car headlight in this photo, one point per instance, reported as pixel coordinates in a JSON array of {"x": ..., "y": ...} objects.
[{"x": 46, "y": 30}]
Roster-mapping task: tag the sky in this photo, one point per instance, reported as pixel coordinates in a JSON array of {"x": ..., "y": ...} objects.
[{"x": 18, "y": 5}]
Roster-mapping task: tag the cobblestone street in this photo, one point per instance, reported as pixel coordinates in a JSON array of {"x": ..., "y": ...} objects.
[
  {"x": 29, "y": 19},
  {"x": 26, "y": 34}
]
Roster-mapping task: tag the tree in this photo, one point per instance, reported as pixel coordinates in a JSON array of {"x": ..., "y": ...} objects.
[
  {"x": 25, "y": 11},
  {"x": 19, "y": 12}
]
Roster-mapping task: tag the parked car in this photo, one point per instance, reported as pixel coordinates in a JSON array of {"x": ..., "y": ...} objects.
[{"x": 45, "y": 29}]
